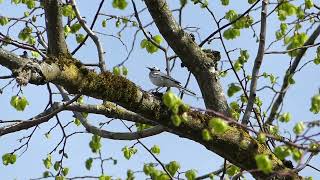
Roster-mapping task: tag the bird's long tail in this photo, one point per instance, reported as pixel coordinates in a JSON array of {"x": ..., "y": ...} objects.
[{"x": 187, "y": 91}]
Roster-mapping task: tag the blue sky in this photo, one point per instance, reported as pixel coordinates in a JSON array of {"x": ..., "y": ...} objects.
[{"x": 188, "y": 153}]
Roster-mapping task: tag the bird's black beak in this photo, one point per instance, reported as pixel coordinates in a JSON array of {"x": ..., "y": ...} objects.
[{"x": 149, "y": 68}]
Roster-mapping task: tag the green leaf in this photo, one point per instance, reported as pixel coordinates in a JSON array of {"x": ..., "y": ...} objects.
[
  {"x": 8, "y": 158},
  {"x": 31, "y": 4},
  {"x": 59, "y": 178},
  {"x": 95, "y": 144},
  {"x": 231, "y": 33},
  {"x": 80, "y": 100},
  {"x": 130, "y": 175},
  {"x": 300, "y": 13},
  {"x": 245, "y": 54},
  {"x": 184, "y": 107},
  {"x": 15, "y": 2},
  {"x": 47, "y": 135},
  {"x": 235, "y": 106},
  {"x": 3, "y": 20},
  {"x": 314, "y": 146},
  {"x": 47, "y": 162},
  {"x": 118, "y": 23},
  {"x": 66, "y": 30},
  {"x": 116, "y": 70},
  {"x": 125, "y": 20},
  {"x": 141, "y": 127},
  {"x": 316, "y": 60},
  {"x": 173, "y": 167},
  {"x": 22, "y": 103},
  {"x": 291, "y": 80},
  {"x": 272, "y": 78},
  {"x": 285, "y": 117},
  {"x": 104, "y": 23},
  {"x": 171, "y": 100},
  {"x": 206, "y": 135},
  {"x": 183, "y": 3},
  {"x": 218, "y": 125},
  {"x": 191, "y": 174},
  {"x": 67, "y": 11},
  {"x": 75, "y": 28},
  {"x": 204, "y": 4},
  {"x": 258, "y": 101},
  {"x": 233, "y": 170},
  {"x": 157, "y": 39},
  {"x": 19, "y": 103},
  {"x": 264, "y": 163},
  {"x": 282, "y": 152},
  {"x": 134, "y": 24},
  {"x": 56, "y": 165},
  {"x": 35, "y": 54},
  {"x": 25, "y": 33},
  {"x": 89, "y": 163},
  {"x": 233, "y": 89},
  {"x": 148, "y": 169},
  {"x": 46, "y": 174},
  {"x": 184, "y": 117},
  {"x": 65, "y": 171},
  {"x": 151, "y": 48},
  {"x": 143, "y": 43},
  {"x": 176, "y": 120},
  {"x": 125, "y": 70},
  {"x": 85, "y": 114},
  {"x": 308, "y": 4},
  {"x": 77, "y": 122},
  {"x": 231, "y": 15},
  {"x": 155, "y": 149},
  {"x": 128, "y": 152},
  {"x": 225, "y": 2},
  {"x": 274, "y": 130},
  {"x": 297, "y": 154},
  {"x": 251, "y": 1},
  {"x": 80, "y": 38},
  {"x": 298, "y": 128},
  {"x": 262, "y": 137},
  {"x": 119, "y": 4},
  {"x": 315, "y": 104},
  {"x": 14, "y": 101}
]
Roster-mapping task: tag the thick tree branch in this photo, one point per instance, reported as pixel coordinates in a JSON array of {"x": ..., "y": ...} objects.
[
  {"x": 76, "y": 79},
  {"x": 110, "y": 110},
  {"x": 56, "y": 41},
  {"x": 111, "y": 113},
  {"x": 191, "y": 55}
]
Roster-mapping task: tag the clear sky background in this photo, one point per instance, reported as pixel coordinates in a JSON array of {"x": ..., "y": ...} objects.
[{"x": 189, "y": 154}]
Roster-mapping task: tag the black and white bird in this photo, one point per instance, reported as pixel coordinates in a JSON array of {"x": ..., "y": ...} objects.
[{"x": 162, "y": 80}]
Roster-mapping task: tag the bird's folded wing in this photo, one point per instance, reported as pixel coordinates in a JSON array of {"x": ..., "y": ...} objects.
[
  {"x": 164, "y": 76},
  {"x": 170, "y": 78}
]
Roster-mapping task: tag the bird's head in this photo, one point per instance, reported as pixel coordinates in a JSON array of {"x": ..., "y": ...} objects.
[{"x": 153, "y": 68}]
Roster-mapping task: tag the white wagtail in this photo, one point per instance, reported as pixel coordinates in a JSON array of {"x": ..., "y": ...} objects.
[{"x": 162, "y": 80}]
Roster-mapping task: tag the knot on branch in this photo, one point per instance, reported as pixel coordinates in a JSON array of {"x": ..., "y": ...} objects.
[
  {"x": 30, "y": 72},
  {"x": 214, "y": 56}
]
